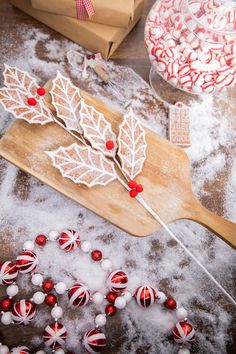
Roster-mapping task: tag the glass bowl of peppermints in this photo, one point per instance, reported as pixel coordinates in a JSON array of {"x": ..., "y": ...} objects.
[{"x": 192, "y": 46}]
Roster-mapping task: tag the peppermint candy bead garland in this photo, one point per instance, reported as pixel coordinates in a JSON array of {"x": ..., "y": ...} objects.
[{"x": 55, "y": 334}]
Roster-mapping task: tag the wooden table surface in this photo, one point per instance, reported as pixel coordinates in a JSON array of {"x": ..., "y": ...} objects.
[{"x": 131, "y": 53}]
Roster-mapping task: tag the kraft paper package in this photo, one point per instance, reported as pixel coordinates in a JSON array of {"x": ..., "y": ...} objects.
[
  {"x": 95, "y": 37},
  {"x": 117, "y": 13}
]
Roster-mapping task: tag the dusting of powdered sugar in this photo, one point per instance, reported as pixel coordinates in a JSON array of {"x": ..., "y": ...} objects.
[{"x": 34, "y": 208}]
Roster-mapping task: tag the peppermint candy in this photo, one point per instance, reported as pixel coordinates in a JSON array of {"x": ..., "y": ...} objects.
[
  {"x": 8, "y": 273},
  {"x": 94, "y": 341},
  {"x": 145, "y": 296},
  {"x": 69, "y": 240},
  {"x": 117, "y": 281},
  {"x": 79, "y": 295},
  {"x": 26, "y": 262},
  {"x": 55, "y": 335},
  {"x": 23, "y": 312}
]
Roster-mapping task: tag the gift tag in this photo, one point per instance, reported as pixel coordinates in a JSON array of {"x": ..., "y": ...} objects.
[{"x": 179, "y": 124}]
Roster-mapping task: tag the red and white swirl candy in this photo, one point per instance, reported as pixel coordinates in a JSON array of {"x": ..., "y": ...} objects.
[
  {"x": 145, "y": 296},
  {"x": 174, "y": 40},
  {"x": 183, "y": 332},
  {"x": 23, "y": 312},
  {"x": 94, "y": 341},
  {"x": 20, "y": 350},
  {"x": 79, "y": 295},
  {"x": 117, "y": 281},
  {"x": 55, "y": 335},
  {"x": 26, "y": 262},
  {"x": 69, "y": 240},
  {"x": 8, "y": 273}
]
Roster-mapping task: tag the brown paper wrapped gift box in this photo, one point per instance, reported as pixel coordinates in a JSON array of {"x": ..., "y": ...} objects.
[
  {"x": 118, "y": 13},
  {"x": 95, "y": 37}
]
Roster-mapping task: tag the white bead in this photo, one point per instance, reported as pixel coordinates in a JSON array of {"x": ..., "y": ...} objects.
[
  {"x": 98, "y": 298},
  {"x": 40, "y": 352},
  {"x": 12, "y": 290},
  {"x": 183, "y": 351},
  {"x": 161, "y": 297},
  {"x": 28, "y": 245},
  {"x": 6, "y": 318},
  {"x": 127, "y": 296},
  {"x": 60, "y": 288},
  {"x": 59, "y": 351},
  {"x": 106, "y": 264},
  {"x": 100, "y": 320},
  {"x": 53, "y": 235},
  {"x": 86, "y": 246},
  {"x": 57, "y": 312},
  {"x": 38, "y": 297},
  {"x": 120, "y": 302},
  {"x": 181, "y": 313},
  {"x": 4, "y": 349},
  {"x": 37, "y": 279}
]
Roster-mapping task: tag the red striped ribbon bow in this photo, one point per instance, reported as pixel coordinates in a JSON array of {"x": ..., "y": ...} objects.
[{"x": 84, "y": 9}]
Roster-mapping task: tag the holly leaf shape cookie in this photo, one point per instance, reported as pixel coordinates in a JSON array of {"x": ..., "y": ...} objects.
[
  {"x": 83, "y": 165},
  {"x": 14, "y": 97},
  {"x": 15, "y": 102},
  {"x": 67, "y": 100},
  {"x": 97, "y": 130},
  {"x": 18, "y": 79},
  {"x": 132, "y": 145}
]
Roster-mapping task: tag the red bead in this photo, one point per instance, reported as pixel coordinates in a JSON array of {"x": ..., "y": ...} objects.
[
  {"x": 111, "y": 297},
  {"x": 41, "y": 240},
  {"x": 50, "y": 299},
  {"x": 110, "y": 145},
  {"x": 96, "y": 255},
  {"x": 110, "y": 310},
  {"x": 32, "y": 101},
  {"x": 47, "y": 285},
  {"x": 41, "y": 91},
  {"x": 5, "y": 304},
  {"x": 132, "y": 184},
  {"x": 133, "y": 193},
  {"x": 139, "y": 188},
  {"x": 170, "y": 303}
]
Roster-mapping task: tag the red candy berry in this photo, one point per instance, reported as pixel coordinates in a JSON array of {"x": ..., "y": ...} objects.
[
  {"x": 32, "y": 101},
  {"x": 139, "y": 188},
  {"x": 111, "y": 297},
  {"x": 96, "y": 255},
  {"x": 41, "y": 91},
  {"x": 5, "y": 304},
  {"x": 132, "y": 184},
  {"x": 47, "y": 285},
  {"x": 170, "y": 303},
  {"x": 110, "y": 145},
  {"x": 110, "y": 310},
  {"x": 41, "y": 240},
  {"x": 133, "y": 193},
  {"x": 50, "y": 299}
]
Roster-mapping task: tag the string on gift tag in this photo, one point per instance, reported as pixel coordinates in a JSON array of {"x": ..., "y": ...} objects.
[{"x": 81, "y": 62}]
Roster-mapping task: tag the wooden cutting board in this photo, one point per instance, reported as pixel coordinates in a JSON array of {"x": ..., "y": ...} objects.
[{"x": 165, "y": 177}]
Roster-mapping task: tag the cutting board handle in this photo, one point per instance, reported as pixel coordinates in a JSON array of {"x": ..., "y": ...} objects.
[{"x": 223, "y": 228}]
